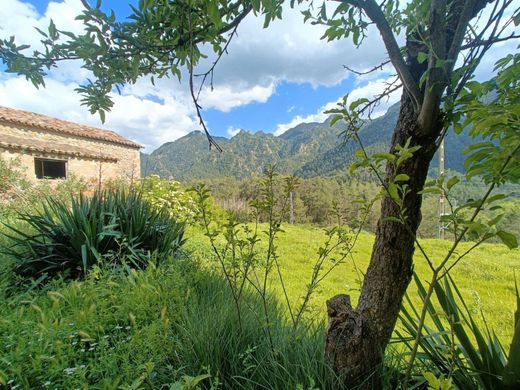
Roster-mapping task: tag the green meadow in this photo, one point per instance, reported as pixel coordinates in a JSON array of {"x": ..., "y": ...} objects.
[
  {"x": 174, "y": 326},
  {"x": 486, "y": 276}
]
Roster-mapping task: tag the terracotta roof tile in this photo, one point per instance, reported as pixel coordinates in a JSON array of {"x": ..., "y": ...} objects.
[
  {"x": 39, "y": 146},
  {"x": 60, "y": 126}
]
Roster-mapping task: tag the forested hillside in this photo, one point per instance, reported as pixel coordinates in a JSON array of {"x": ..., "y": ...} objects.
[{"x": 307, "y": 150}]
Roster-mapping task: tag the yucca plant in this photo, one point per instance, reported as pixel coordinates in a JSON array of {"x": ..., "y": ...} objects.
[
  {"x": 454, "y": 345},
  {"x": 107, "y": 228}
]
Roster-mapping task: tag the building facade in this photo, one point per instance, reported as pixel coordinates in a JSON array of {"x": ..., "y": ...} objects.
[{"x": 50, "y": 148}]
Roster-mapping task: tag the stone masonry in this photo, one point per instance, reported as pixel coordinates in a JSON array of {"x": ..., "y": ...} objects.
[{"x": 87, "y": 152}]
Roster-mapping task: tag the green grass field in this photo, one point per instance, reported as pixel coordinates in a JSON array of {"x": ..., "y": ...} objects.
[
  {"x": 485, "y": 276},
  {"x": 122, "y": 329}
]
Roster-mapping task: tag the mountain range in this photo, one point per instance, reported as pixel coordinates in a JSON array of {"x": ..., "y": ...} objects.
[{"x": 307, "y": 150}]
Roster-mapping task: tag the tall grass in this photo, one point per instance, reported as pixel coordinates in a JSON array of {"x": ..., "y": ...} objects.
[
  {"x": 209, "y": 336},
  {"x": 121, "y": 329},
  {"x": 453, "y": 345}
]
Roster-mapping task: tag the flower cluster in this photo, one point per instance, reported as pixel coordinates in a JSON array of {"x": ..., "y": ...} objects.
[{"x": 170, "y": 195}]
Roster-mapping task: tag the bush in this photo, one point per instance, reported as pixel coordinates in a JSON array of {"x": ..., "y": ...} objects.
[
  {"x": 12, "y": 179},
  {"x": 168, "y": 195},
  {"x": 110, "y": 227}
]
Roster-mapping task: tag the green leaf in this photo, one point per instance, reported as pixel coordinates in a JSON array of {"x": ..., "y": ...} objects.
[
  {"x": 335, "y": 119},
  {"x": 360, "y": 153},
  {"x": 401, "y": 177},
  {"x": 213, "y": 13},
  {"x": 393, "y": 219},
  {"x": 421, "y": 57},
  {"x": 385, "y": 156},
  {"x": 357, "y": 103},
  {"x": 512, "y": 369},
  {"x": 508, "y": 239},
  {"x": 393, "y": 192},
  {"x": 495, "y": 197},
  {"x": 432, "y": 380},
  {"x": 323, "y": 12},
  {"x": 495, "y": 220},
  {"x": 516, "y": 19},
  {"x": 452, "y": 182}
]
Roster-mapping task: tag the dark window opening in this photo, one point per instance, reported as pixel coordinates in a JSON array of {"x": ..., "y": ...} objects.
[{"x": 50, "y": 169}]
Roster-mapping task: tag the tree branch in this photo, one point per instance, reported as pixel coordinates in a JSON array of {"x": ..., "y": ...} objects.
[
  {"x": 437, "y": 76},
  {"x": 371, "y": 70},
  {"x": 478, "y": 42},
  {"x": 211, "y": 140},
  {"x": 373, "y": 11},
  {"x": 460, "y": 31}
]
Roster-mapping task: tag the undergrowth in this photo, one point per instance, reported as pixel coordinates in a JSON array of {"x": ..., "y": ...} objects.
[{"x": 154, "y": 328}]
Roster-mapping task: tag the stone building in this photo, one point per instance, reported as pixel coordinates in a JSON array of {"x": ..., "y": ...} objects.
[{"x": 56, "y": 149}]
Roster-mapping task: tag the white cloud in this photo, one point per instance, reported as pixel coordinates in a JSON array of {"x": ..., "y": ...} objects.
[
  {"x": 368, "y": 90},
  {"x": 151, "y": 123},
  {"x": 292, "y": 51},
  {"x": 374, "y": 88},
  {"x": 20, "y": 19},
  {"x": 259, "y": 60},
  {"x": 225, "y": 98},
  {"x": 147, "y": 122},
  {"x": 232, "y": 131},
  {"x": 318, "y": 117}
]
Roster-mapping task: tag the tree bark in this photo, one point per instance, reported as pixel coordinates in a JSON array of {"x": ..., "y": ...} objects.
[{"x": 357, "y": 338}]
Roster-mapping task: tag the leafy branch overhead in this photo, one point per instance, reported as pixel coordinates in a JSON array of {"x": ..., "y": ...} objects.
[
  {"x": 163, "y": 38},
  {"x": 159, "y": 39}
]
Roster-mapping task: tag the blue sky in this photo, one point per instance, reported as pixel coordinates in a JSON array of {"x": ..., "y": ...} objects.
[
  {"x": 272, "y": 79},
  {"x": 290, "y": 99}
]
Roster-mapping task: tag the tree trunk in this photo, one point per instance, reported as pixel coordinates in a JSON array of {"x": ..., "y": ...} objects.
[{"x": 357, "y": 338}]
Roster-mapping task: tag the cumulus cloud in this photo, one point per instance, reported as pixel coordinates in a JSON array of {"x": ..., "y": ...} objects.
[
  {"x": 259, "y": 59},
  {"x": 148, "y": 119},
  {"x": 232, "y": 131},
  {"x": 368, "y": 90},
  {"x": 374, "y": 88},
  {"x": 145, "y": 121},
  {"x": 21, "y": 19},
  {"x": 224, "y": 98},
  {"x": 292, "y": 51},
  {"x": 317, "y": 117}
]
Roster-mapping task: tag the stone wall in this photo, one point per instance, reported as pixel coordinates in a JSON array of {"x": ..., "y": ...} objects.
[{"x": 91, "y": 169}]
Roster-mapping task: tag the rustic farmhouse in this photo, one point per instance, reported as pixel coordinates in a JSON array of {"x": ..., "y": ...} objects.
[{"x": 56, "y": 149}]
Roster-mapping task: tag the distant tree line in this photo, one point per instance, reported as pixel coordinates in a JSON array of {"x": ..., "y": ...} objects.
[{"x": 314, "y": 200}]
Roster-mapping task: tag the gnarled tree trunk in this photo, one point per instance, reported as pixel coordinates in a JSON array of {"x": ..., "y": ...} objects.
[{"x": 357, "y": 337}]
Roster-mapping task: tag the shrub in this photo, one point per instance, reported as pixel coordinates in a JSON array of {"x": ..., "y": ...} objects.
[
  {"x": 110, "y": 227},
  {"x": 168, "y": 195},
  {"x": 12, "y": 181}
]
